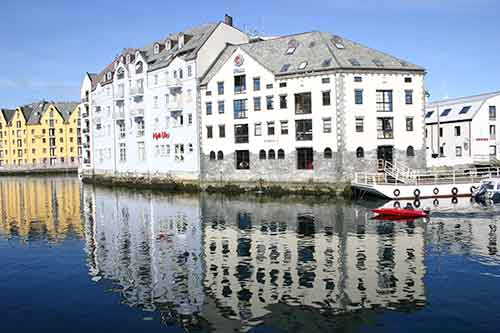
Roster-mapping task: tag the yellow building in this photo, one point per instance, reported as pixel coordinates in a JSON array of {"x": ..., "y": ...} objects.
[{"x": 40, "y": 134}]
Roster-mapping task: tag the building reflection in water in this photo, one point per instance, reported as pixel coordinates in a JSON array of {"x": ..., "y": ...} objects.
[{"x": 40, "y": 208}]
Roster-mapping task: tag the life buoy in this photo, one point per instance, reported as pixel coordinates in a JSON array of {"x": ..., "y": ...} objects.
[
  {"x": 435, "y": 191},
  {"x": 454, "y": 191},
  {"x": 454, "y": 200},
  {"x": 473, "y": 189},
  {"x": 416, "y": 203},
  {"x": 397, "y": 204},
  {"x": 416, "y": 193},
  {"x": 396, "y": 192},
  {"x": 435, "y": 202}
]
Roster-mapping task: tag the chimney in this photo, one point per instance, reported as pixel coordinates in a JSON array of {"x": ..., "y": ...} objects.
[{"x": 228, "y": 20}]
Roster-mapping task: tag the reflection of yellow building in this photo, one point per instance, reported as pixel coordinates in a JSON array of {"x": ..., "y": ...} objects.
[
  {"x": 40, "y": 134},
  {"x": 40, "y": 208}
]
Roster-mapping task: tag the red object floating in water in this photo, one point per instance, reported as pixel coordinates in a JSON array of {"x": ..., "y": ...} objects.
[{"x": 400, "y": 212}]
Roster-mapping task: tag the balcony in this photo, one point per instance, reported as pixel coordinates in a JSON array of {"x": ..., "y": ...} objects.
[
  {"x": 85, "y": 100},
  {"x": 137, "y": 91},
  {"x": 175, "y": 106},
  {"x": 86, "y": 145},
  {"x": 85, "y": 130},
  {"x": 85, "y": 115},
  {"x": 119, "y": 115},
  {"x": 174, "y": 83},
  {"x": 137, "y": 112},
  {"x": 120, "y": 96}
]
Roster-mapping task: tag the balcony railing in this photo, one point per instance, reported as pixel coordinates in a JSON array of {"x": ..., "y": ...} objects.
[
  {"x": 120, "y": 95},
  {"x": 137, "y": 112},
  {"x": 241, "y": 114},
  {"x": 241, "y": 138},
  {"x": 137, "y": 91},
  {"x": 172, "y": 106},
  {"x": 85, "y": 130},
  {"x": 172, "y": 83},
  {"x": 385, "y": 134},
  {"x": 119, "y": 115},
  {"x": 85, "y": 115},
  {"x": 85, "y": 100}
]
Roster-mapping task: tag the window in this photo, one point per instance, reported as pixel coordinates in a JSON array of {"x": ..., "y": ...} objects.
[
  {"x": 281, "y": 154},
  {"x": 283, "y": 104},
  {"x": 359, "y": 124},
  {"x": 384, "y": 100},
  {"x": 256, "y": 104},
  {"x": 156, "y": 49},
  {"x": 409, "y": 124},
  {"x": 303, "y": 65},
  {"x": 457, "y": 130},
  {"x": 138, "y": 67},
  {"x": 262, "y": 154},
  {"x": 270, "y": 102},
  {"x": 258, "y": 129},
  {"x": 209, "y": 108},
  {"x": 409, "y": 97},
  {"x": 221, "y": 106},
  {"x": 209, "y": 132},
  {"x": 284, "y": 127},
  {"x": 269, "y": 86},
  {"x": 358, "y": 79},
  {"x": 212, "y": 156},
  {"x": 190, "y": 71},
  {"x": 303, "y": 103},
  {"x": 222, "y": 131},
  {"x": 141, "y": 151},
  {"x": 445, "y": 112},
  {"x": 155, "y": 102},
  {"x": 493, "y": 112},
  {"x": 326, "y": 98},
  {"x": 325, "y": 80},
  {"x": 256, "y": 83},
  {"x": 305, "y": 158},
  {"x": 282, "y": 84},
  {"x": 241, "y": 133},
  {"x": 220, "y": 88},
  {"x": 179, "y": 152},
  {"x": 140, "y": 126},
  {"x": 441, "y": 132},
  {"x": 458, "y": 151},
  {"x": 465, "y": 109},
  {"x": 240, "y": 84},
  {"x": 408, "y": 80},
  {"x": 385, "y": 128},
  {"x": 358, "y": 96},
  {"x": 303, "y": 130},
  {"x": 493, "y": 134},
  {"x": 190, "y": 118},
  {"x": 429, "y": 114},
  {"x": 327, "y": 153},
  {"x": 493, "y": 150},
  {"x": 360, "y": 152},
  {"x": 271, "y": 155},
  {"x": 410, "y": 151},
  {"x": 123, "y": 152},
  {"x": 240, "y": 108},
  {"x": 220, "y": 155},
  {"x": 270, "y": 128},
  {"x": 242, "y": 159},
  {"x": 327, "y": 125}
]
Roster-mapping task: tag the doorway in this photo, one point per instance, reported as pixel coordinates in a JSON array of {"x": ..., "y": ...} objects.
[{"x": 384, "y": 153}]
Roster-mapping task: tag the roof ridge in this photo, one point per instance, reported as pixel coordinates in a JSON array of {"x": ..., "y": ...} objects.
[{"x": 464, "y": 98}]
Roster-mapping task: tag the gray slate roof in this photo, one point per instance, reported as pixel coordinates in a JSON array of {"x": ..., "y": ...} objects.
[
  {"x": 8, "y": 115},
  {"x": 449, "y": 109},
  {"x": 321, "y": 50},
  {"x": 66, "y": 109}
]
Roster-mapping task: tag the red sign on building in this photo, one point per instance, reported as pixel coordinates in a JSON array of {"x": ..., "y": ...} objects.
[{"x": 161, "y": 135}]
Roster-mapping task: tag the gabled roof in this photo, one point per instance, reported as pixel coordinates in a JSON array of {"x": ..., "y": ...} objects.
[
  {"x": 66, "y": 109},
  {"x": 8, "y": 115},
  {"x": 319, "y": 51},
  {"x": 38, "y": 109},
  {"x": 456, "y": 109}
]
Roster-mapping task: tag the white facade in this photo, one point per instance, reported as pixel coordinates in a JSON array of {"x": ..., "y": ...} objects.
[
  {"x": 465, "y": 131},
  {"x": 345, "y": 136},
  {"x": 85, "y": 121},
  {"x": 144, "y": 105}
]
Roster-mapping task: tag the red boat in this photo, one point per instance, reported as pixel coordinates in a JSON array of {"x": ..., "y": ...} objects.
[{"x": 400, "y": 212}]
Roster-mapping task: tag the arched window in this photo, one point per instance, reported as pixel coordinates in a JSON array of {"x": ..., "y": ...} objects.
[
  {"x": 281, "y": 154},
  {"x": 156, "y": 49},
  {"x": 271, "y": 155},
  {"x": 327, "y": 153},
  {"x": 121, "y": 74},
  {"x": 138, "y": 67},
  {"x": 410, "y": 152},
  {"x": 212, "y": 156},
  {"x": 262, "y": 154},
  {"x": 220, "y": 155},
  {"x": 127, "y": 59},
  {"x": 360, "y": 153},
  {"x": 109, "y": 76}
]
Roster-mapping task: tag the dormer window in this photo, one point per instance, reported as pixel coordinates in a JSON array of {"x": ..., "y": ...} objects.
[
  {"x": 168, "y": 44},
  {"x": 109, "y": 75},
  {"x": 122, "y": 59},
  {"x": 121, "y": 74},
  {"x": 156, "y": 48},
  {"x": 137, "y": 54},
  {"x": 303, "y": 65},
  {"x": 181, "y": 40},
  {"x": 128, "y": 58},
  {"x": 138, "y": 67}
]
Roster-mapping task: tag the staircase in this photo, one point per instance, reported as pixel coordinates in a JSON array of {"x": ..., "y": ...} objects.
[{"x": 397, "y": 172}]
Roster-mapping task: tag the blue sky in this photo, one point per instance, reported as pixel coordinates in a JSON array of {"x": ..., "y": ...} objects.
[{"x": 46, "y": 46}]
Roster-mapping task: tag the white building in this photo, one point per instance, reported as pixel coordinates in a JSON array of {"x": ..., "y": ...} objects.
[
  {"x": 143, "y": 106},
  {"x": 309, "y": 107},
  {"x": 462, "y": 131}
]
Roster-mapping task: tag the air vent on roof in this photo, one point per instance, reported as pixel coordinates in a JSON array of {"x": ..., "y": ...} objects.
[
  {"x": 445, "y": 112},
  {"x": 285, "y": 68},
  {"x": 327, "y": 62},
  {"x": 303, "y": 65},
  {"x": 354, "y": 62},
  {"x": 465, "y": 109},
  {"x": 378, "y": 63}
]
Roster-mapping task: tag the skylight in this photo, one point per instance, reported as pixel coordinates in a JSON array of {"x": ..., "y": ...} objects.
[
  {"x": 337, "y": 41},
  {"x": 429, "y": 114},
  {"x": 465, "y": 109},
  {"x": 285, "y": 68},
  {"x": 354, "y": 62},
  {"x": 292, "y": 46},
  {"x": 378, "y": 63},
  {"x": 327, "y": 62},
  {"x": 303, "y": 65},
  {"x": 290, "y": 50},
  {"x": 445, "y": 112}
]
